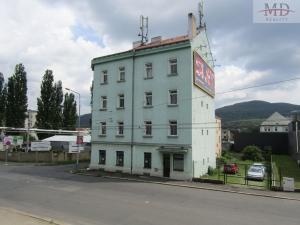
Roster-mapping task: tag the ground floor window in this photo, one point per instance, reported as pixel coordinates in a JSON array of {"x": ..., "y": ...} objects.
[
  {"x": 147, "y": 160},
  {"x": 120, "y": 158},
  {"x": 178, "y": 162},
  {"x": 102, "y": 157}
]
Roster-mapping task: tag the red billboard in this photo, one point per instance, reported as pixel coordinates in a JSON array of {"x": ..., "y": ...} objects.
[{"x": 204, "y": 76}]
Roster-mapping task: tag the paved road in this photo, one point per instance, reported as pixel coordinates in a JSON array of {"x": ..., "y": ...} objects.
[{"x": 50, "y": 191}]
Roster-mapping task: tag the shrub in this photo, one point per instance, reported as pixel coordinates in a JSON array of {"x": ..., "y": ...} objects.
[
  {"x": 253, "y": 153},
  {"x": 211, "y": 171}
]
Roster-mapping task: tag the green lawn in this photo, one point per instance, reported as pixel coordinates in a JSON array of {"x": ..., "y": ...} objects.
[
  {"x": 239, "y": 178},
  {"x": 287, "y": 167}
]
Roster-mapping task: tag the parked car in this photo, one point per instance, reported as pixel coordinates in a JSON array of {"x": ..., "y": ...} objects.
[
  {"x": 260, "y": 165},
  {"x": 255, "y": 173},
  {"x": 231, "y": 168}
]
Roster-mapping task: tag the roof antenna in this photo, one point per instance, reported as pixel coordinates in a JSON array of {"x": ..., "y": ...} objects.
[
  {"x": 144, "y": 29},
  {"x": 201, "y": 15}
]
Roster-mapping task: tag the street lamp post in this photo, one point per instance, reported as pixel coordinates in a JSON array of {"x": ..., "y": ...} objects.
[{"x": 78, "y": 151}]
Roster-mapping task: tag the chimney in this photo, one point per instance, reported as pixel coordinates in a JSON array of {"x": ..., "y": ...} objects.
[
  {"x": 136, "y": 44},
  {"x": 192, "y": 27},
  {"x": 156, "y": 40}
]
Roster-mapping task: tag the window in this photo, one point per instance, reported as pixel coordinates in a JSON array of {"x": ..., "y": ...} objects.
[
  {"x": 148, "y": 98},
  {"x": 120, "y": 128},
  {"x": 104, "y": 77},
  {"x": 121, "y": 73},
  {"x": 148, "y": 128},
  {"x": 103, "y": 128},
  {"x": 173, "y": 97},
  {"x": 276, "y": 129},
  {"x": 102, "y": 157},
  {"x": 120, "y": 158},
  {"x": 173, "y": 66},
  {"x": 121, "y": 101},
  {"x": 178, "y": 162},
  {"x": 206, "y": 106},
  {"x": 173, "y": 127},
  {"x": 206, "y": 132},
  {"x": 202, "y": 134},
  {"x": 103, "y": 102},
  {"x": 202, "y": 106},
  {"x": 147, "y": 160},
  {"x": 148, "y": 68}
]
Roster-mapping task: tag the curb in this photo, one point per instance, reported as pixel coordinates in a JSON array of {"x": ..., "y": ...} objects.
[
  {"x": 43, "y": 219},
  {"x": 195, "y": 187}
]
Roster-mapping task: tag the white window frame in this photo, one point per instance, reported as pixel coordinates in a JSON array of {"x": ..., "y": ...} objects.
[
  {"x": 172, "y": 62},
  {"x": 103, "y": 99},
  {"x": 121, "y": 97},
  {"x": 120, "y": 128},
  {"x": 171, "y": 93},
  {"x": 148, "y": 67},
  {"x": 148, "y": 124},
  {"x": 104, "y": 74},
  {"x": 103, "y": 128},
  {"x": 148, "y": 94},
  {"x": 122, "y": 73},
  {"x": 173, "y": 123}
]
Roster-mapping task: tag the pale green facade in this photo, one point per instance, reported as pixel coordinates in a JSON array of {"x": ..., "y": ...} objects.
[{"x": 194, "y": 113}]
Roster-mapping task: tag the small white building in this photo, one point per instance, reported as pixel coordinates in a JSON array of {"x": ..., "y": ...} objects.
[{"x": 276, "y": 123}]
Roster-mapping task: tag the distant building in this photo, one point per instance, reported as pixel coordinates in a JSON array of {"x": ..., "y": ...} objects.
[
  {"x": 276, "y": 123},
  {"x": 227, "y": 135},
  {"x": 152, "y": 106},
  {"x": 218, "y": 137},
  {"x": 30, "y": 122}
]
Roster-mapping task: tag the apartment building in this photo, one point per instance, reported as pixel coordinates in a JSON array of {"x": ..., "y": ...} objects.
[{"x": 153, "y": 108}]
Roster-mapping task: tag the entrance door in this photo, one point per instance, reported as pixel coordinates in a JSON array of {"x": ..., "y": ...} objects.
[{"x": 166, "y": 163}]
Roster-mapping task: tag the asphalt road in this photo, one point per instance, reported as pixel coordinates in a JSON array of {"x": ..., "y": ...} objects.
[{"x": 50, "y": 191}]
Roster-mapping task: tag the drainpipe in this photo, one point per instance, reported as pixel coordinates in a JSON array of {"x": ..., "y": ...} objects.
[
  {"x": 132, "y": 111},
  {"x": 297, "y": 141}
]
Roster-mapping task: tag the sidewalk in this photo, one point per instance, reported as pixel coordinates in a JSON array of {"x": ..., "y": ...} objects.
[
  {"x": 194, "y": 185},
  {"x": 14, "y": 217}
]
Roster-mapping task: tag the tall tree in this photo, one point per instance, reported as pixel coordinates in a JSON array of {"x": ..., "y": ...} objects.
[
  {"x": 16, "y": 104},
  {"x": 44, "y": 117},
  {"x": 69, "y": 112},
  {"x": 58, "y": 97},
  {"x": 3, "y": 92}
]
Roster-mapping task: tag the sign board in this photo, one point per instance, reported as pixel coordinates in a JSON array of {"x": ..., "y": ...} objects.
[
  {"x": 41, "y": 146},
  {"x": 17, "y": 140},
  {"x": 8, "y": 140},
  {"x": 73, "y": 147},
  {"x": 79, "y": 140},
  {"x": 204, "y": 76},
  {"x": 288, "y": 184}
]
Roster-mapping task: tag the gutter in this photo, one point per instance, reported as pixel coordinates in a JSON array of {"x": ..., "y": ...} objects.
[{"x": 132, "y": 111}]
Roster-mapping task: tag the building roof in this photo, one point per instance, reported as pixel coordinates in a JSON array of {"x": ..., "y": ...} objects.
[
  {"x": 276, "y": 119},
  {"x": 168, "y": 41},
  {"x": 155, "y": 45},
  {"x": 68, "y": 138}
]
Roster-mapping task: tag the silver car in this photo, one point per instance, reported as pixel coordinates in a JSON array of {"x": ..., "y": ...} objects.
[{"x": 256, "y": 173}]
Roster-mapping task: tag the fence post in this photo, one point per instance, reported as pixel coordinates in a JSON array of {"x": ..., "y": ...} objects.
[{"x": 280, "y": 177}]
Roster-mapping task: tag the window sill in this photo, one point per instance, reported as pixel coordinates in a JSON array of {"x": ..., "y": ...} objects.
[
  {"x": 147, "y": 136},
  {"x": 148, "y": 78},
  {"x": 120, "y": 135},
  {"x": 172, "y": 105},
  {"x": 120, "y": 108},
  {"x": 102, "y": 135},
  {"x": 172, "y": 74},
  {"x": 172, "y": 136},
  {"x": 148, "y": 106},
  {"x": 102, "y": 109},
  {"x": 104, "y": 83},
  {"x": 119, "y": 165},
  {"x": 120, "y": 81},
  {"x": 147, "y": 168}
]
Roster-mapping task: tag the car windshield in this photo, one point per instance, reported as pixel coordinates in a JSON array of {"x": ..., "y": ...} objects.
[{"x": 255, "y": 170}]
